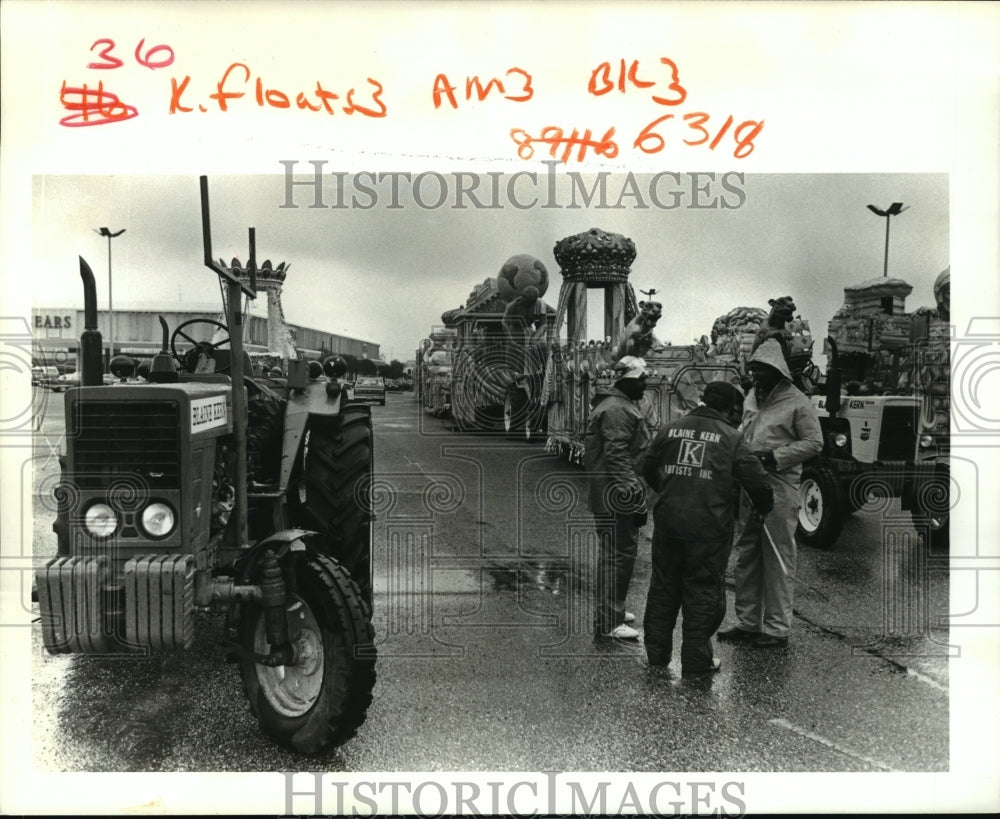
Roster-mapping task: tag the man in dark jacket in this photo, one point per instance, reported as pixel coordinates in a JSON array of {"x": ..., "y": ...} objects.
[
  {"x": 616, "y": 438},
  {"x": 696, "y": 464}
]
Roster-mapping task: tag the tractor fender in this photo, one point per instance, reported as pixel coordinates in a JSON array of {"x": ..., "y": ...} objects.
[
  {"x": 281, "y": 543},
  {"x": 320, "y": 397}
]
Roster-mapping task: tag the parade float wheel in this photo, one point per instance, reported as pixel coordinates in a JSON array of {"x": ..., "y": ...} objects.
[
  {"x": 489, "y": 419},
  {"x": 517, "y": 420}
]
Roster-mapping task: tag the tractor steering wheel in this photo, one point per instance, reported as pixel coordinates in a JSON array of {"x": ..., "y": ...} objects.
[{"x": 207, "y": 346}]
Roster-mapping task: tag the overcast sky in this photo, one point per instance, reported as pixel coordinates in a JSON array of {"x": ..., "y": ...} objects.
[{"x": 386, "y": 274}]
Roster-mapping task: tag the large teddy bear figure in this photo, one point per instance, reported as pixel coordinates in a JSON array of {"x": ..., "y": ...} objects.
[{"x": 522, "y": 282}]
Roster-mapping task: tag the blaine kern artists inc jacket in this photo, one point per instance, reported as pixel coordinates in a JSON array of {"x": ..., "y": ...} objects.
[{"x": 697, "y": 464}]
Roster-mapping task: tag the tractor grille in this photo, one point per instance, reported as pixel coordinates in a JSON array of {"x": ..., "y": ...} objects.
[
  {"x": 117, "y": 439},
  {"x": 898, "y": 441}
]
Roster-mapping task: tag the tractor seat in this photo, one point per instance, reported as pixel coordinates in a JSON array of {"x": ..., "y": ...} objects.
[
  {"x": 198, "y": 366},
  {"x": 224, "y": 362}
]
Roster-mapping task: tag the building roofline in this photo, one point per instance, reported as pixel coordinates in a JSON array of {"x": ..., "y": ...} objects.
[{"x": 201, "y": 309}]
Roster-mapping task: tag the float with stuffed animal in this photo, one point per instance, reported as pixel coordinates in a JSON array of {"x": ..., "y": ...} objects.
[
  {"x": 502, "y": 335},
  {"x": 525, "y": 369}
]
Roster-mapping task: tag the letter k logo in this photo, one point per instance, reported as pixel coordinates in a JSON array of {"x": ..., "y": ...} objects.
[{"x": 692, "y": 453}]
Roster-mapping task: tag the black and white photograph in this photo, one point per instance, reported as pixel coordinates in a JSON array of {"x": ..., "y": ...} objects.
[{"x": 433, "y": 457}]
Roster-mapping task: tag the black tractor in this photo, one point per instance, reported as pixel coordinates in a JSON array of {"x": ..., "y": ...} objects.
[{"x": 204, "y": 490}]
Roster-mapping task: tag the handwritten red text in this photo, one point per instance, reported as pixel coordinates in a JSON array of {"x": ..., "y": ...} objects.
[
  {"x": 144, "y": 59},
  {"x": 557, "y": 139},
  {"x": 235, "y": 79},
  {"x": 651, "y": 141},
  {"x": 603, "y": 81},
  {"x": 93, "y": 106},
  {"x": 517, "y": 89},
  {"x": 90, "y": 106}
]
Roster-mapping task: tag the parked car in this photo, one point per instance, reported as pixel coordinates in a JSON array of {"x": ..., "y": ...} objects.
[
  {"x": 392, "y": 385},
  {"x": 64, "y": 382},
  {"x": 41, "y": 376},
  {"x": 370, "y": 389}
]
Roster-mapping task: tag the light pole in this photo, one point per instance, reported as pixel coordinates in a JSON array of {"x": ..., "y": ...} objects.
[
  {"x": 894, "y": 209},
  {"x": 111, "y": 316}
]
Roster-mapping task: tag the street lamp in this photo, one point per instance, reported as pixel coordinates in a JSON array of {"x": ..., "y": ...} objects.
[
  {"x": 111, "y": 316},
  {"x": 894, "y": 209}
]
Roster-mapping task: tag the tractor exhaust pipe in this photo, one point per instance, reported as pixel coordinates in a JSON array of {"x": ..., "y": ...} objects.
[
  {"x": 91, "y": 343},
  {"x": 163, "y": 368},
  {"x": 833, "y": 380}
]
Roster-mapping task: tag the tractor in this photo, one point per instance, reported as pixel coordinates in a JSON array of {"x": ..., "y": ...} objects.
[
  {"x": 873, "y": 448},
  {"x": 205, "y": 491},
  {"x": 876, "y": 441},
  {"x": 881, "y": 413}
]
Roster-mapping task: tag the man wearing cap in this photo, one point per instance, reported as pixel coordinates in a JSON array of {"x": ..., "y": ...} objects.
[
  {"x": 696, "y": 464},
  {"x": 782, "y": 429},
  {"x": 616, "y": 438}
]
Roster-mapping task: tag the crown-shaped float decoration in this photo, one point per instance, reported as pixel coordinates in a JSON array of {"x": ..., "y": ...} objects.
[
  {"x": 267, "y": 274},
  {"x": 270, "y": 280},
  {"x": 595, "y": 257}
]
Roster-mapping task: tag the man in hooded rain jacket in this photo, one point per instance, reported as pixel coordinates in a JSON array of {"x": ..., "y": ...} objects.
[{"x": 782, "y": 429}]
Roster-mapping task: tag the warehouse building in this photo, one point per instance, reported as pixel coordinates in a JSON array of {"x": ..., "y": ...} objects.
[{"x": 137, "y": 332}]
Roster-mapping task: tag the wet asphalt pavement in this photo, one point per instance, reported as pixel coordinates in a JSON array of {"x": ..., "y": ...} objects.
[{"x": 487, "y": 661}]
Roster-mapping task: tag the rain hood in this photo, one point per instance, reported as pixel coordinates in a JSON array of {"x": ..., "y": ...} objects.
[{"x": 769, "y": 352}]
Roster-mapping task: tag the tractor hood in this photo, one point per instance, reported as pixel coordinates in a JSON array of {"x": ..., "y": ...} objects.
[{"x": 204, "y": 409}]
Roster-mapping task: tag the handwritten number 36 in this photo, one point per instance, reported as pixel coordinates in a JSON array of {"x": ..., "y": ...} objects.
[{"x": 148, "y": 59}]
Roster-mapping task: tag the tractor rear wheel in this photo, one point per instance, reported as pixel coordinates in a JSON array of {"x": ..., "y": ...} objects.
[
  {"x": 320, "y": 700},
  {"x": 931, "y": 512},
  {"x": 334, "y": 496},
  {"x": 821, "y": 507}
]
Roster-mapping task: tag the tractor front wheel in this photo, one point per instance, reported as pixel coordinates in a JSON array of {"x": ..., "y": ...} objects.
[
  {"x": 320, "y": 700},
  {"x": 821, "y": 507}
]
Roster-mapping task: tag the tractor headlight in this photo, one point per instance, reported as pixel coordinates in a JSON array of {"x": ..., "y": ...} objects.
[
  {"x": 840, "y": 439},
  {"x": 158, "y": 520},
  {"x": 926, "y": 441},
  {"x": 100, "y": 520}
]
